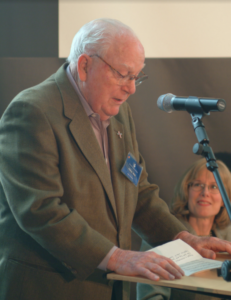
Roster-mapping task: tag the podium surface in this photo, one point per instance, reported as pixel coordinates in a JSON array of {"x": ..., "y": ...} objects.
[{"x": 205, "y": 281}]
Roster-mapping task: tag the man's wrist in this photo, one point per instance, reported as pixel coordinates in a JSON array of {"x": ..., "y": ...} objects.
[
  {"x": 116, "y": 258},
  {"x": 104, "y": 262}
]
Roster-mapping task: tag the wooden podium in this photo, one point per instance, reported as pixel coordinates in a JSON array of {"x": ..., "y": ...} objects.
[{"x": 202, "y": 282}]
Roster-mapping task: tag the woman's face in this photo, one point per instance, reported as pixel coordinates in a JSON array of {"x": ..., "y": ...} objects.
[{"x": 203, "y": 202}]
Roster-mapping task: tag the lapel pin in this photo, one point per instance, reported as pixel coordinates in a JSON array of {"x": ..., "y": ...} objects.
[{"x": 119, "y": 134}]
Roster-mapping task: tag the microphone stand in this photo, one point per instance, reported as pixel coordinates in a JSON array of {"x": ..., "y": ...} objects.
[{"x": 203, "y": 148}]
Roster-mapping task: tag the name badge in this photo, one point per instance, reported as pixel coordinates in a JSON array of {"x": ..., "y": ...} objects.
[{"x": 131, "y": 169}]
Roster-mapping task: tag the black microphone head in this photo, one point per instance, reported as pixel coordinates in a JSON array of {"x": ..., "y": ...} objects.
[{"x": 164, "y": 102}]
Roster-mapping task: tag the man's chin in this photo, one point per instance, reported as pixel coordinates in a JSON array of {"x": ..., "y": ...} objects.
[{"x": 111, "y": 113}]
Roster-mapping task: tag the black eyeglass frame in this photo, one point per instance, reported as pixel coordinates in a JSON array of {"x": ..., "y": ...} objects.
[{"x": 138, "y": 79}]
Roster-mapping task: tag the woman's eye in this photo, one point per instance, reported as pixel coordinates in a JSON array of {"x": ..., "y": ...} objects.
[{"x": 214, "y": 187}]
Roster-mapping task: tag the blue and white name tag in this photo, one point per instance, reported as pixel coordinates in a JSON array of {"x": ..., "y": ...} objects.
[{"x": 131, "y": 169}]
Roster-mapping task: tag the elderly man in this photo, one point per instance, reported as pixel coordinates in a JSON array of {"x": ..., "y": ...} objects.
[{"x": 66, "y": 207}]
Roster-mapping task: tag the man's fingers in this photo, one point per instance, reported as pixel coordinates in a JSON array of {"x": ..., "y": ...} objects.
[
  {"x": 218, "y": 245},
  {"x": 166, "y": 269},
  {"x": 203, "y": 244},
  {"x": 208, "y": 253},
  {"x": 175, "y": 266},
  {"x": 158, "y": 270},
  {"x": 174, "y": 271},
  {"x": 170, "y": 266},
  {"x": 149, "y": 274},
  {"x": 208, "y": 247}
]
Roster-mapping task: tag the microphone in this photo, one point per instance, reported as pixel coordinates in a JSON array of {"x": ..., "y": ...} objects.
[{"x": 170, "y": 102}]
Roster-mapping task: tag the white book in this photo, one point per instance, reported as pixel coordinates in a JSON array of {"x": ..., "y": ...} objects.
[{"x": 186, "y": 257}]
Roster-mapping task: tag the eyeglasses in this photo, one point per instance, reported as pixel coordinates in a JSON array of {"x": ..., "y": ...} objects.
[
  {"x": 198, "y": 187},
  {"x": 121, "y": 79}
]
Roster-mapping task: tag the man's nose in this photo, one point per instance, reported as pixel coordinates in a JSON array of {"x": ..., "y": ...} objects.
[{"x": 130, "y": 87}]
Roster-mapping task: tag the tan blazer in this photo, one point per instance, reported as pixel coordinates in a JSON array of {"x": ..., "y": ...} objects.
[{"x": 59, "y": 207}]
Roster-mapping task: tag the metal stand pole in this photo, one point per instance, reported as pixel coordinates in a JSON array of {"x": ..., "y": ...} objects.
[{"x": 203, "y": 148}]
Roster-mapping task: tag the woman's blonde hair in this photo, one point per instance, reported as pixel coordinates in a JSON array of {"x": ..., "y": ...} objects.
[{"x": 180, "y": 199}]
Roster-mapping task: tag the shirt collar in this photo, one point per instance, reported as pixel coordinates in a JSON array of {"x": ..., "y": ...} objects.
[{"x": 86, "y": 106}]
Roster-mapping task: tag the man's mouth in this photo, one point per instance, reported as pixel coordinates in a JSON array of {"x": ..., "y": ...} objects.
[{"x": 119, "y": 101}]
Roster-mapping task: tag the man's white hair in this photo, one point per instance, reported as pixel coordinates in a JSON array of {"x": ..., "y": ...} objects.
[{"x": 96, "y": 36}]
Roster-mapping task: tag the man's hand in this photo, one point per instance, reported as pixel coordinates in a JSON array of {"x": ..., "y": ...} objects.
[
  {"x": 206, "y": 246},
  {"x": 147, "y": 264}
]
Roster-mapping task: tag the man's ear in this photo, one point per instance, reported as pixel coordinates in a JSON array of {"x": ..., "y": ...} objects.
[{"x": 82, "y": 66}]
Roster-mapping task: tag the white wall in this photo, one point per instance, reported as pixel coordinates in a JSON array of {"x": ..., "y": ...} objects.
[{"x": 166, "y": 28}]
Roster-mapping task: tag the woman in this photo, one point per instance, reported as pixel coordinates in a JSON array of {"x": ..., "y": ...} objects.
[{"x": 197, "y": 203}]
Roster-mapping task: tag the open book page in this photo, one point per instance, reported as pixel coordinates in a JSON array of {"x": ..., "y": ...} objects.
[{"x": 186, "y": 257}]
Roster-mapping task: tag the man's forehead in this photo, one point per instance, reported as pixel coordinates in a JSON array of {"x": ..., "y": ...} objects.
[
  {"x": 127, "y": 53},
  {"x": 125, "y": 42}
]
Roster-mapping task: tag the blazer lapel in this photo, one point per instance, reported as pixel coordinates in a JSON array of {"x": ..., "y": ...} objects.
[
  {"x": 117, "y": 159},
  {"x": 86, "y": 138}
]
